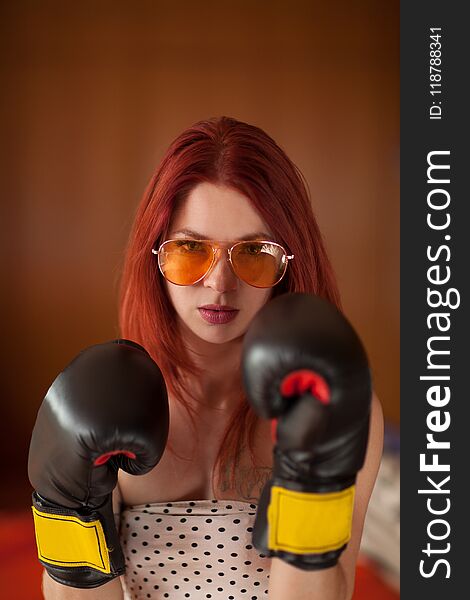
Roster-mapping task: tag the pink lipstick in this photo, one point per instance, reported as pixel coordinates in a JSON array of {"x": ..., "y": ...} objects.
[{"x": 217, "y": 314}]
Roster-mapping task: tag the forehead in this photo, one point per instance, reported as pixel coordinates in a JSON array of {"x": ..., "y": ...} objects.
[{"x": 218, "y": 212}]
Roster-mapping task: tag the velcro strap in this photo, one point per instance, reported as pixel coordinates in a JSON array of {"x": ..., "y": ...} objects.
[
  {"x": 306, "y": 523},
  {"x": 67, "y": 540}
]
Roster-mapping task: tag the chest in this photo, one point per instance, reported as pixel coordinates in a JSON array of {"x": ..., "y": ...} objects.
[{"x": 186, "y": 469}]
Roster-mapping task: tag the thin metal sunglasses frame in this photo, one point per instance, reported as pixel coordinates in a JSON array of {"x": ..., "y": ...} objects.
[{"x": 217, "y": 245}]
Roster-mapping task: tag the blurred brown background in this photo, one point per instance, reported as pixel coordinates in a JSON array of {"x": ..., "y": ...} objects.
[{"x": 93, "y": 93}]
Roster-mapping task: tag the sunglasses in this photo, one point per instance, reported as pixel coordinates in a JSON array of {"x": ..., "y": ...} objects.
[{"x": 259, "y": 263}]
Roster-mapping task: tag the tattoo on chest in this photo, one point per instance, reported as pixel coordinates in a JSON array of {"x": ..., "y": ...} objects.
[{"x": 249, "y": 482}]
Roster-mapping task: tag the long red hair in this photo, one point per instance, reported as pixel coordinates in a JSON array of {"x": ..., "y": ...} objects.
[{"x": 227, "y": 152}]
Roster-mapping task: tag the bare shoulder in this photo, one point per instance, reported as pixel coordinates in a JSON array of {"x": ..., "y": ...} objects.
[
  {"x": 117, "y": 499},
  {"x": 364, "y": 486},
  {"x": 367, "y": 476}
]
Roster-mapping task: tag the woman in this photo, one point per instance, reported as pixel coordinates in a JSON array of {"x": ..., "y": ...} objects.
[{"x": 186, "y": 526}]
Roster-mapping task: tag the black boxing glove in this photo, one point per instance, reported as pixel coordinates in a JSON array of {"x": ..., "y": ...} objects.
[
  {"x": 304, "y": 365},
  {"x": 108, "y": 410}
]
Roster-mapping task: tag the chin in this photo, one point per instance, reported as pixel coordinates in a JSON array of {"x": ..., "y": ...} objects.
[
  {"x": 219, "y": 337},
  {"x": 217, "y": 334}
]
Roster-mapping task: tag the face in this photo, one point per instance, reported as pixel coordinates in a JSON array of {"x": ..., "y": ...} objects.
[{"x": 213, "y": 212}]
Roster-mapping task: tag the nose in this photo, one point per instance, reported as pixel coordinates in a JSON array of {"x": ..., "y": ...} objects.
[{"x": 221, "y": 278}]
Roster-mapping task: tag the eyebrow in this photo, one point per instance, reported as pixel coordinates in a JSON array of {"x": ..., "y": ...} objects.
[{"x": 256, "y": 235}]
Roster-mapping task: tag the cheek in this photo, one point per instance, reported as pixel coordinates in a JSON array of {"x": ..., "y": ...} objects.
[
  {"x": 179, "y": 296},
  {"x": 257, "y": 298}
]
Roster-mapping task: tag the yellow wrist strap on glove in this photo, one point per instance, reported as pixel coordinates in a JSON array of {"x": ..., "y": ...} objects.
[
  {"x": 307, "y": 523},
  {"x": 70, "y": 540}
]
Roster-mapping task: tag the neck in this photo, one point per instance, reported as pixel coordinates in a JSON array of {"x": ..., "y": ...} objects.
[{"x": 219, "y": 385}]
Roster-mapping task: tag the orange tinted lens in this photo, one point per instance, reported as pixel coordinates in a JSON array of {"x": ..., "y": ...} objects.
[
  {"x": 184, "y": 261},
  {"x": 259, "y": 264}
]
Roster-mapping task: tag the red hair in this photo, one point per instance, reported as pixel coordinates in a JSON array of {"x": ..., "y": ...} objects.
[{"x": 227, "y": 152}]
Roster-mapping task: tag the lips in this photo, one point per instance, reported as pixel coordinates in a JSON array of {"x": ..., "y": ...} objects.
[
  {"x": 218, "y": 307},
  {"x": 217, "y": 314}
]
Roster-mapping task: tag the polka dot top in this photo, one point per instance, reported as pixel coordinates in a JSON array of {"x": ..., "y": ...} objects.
[{"x": 198, "y": 550}]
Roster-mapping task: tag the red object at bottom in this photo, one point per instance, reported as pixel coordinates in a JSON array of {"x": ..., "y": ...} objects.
[
  {"x": 370, "y": 585},
  {"x": 20, "y": 569}
]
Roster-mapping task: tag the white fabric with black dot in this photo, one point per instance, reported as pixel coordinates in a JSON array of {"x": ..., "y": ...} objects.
[{"x": 199, "y": 550}]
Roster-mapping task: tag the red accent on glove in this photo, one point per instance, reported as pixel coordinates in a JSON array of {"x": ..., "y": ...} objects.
[
  {"x": 101, "y": 460},
  {"x": 304, "y": 381}
]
